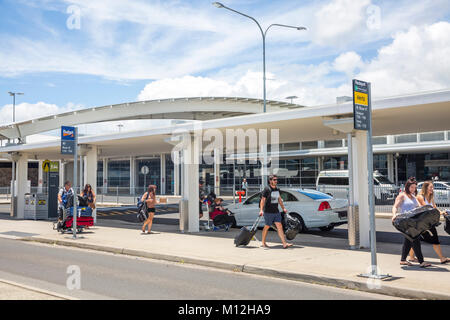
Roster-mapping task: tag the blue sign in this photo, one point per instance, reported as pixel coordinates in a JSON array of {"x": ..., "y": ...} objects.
[
  {"x": 68, "y": 133},
  {"x": 68, "y": 140}
]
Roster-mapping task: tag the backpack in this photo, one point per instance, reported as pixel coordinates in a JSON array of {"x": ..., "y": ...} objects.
[{"x": 142, "y": 210}]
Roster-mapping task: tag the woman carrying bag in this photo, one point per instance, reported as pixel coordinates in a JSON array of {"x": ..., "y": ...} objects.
[
  {"x": 407, "y": 201},
  {"x": 426, "y": 197},
  {"x": 150, "y": 200}
]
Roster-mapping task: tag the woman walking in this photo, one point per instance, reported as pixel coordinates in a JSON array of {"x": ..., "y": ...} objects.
[
  {"x": 150, "y": 200},
  {"x": 407, "y": 201},
  {"x": 426, "y": 197}
]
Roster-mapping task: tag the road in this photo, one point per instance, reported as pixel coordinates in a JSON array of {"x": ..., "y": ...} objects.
[{"x": 107, "y": 276}]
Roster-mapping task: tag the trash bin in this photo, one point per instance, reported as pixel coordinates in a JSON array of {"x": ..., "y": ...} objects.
[
  {"x": 353, "y": 227},
  {"x": 36, "y": 207},
  {"x": 184, "y": 214}
]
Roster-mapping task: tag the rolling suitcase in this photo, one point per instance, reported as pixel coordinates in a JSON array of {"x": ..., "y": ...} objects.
[
  {"x": 414, "y": 222},
  {"x": 245, "y": 235}
]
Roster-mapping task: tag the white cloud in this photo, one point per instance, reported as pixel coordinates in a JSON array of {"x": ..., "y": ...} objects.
[
  {"x": 336, "y": 20},
  {"x": 348, "y": 62},
  {"x": 27, "y": 111},
  {"x": 416, "y": 60}
]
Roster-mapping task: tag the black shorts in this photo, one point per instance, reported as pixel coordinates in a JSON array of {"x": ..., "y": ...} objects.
[
  {"x": 151, "y": 210},
  {"x": 430, "y": 236}
]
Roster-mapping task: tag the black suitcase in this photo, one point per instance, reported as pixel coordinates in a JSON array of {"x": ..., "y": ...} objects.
[
  {"x": 447, "y": 223},
  {"x": 414, "y": 222},
  {"x": 245, "y": 235}
]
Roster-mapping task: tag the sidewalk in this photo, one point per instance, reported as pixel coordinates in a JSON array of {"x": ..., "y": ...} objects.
[{"x": 309, "y": 260}]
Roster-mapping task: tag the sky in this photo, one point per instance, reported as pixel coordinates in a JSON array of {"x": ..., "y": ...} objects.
[{"x": 71, "y": 54}]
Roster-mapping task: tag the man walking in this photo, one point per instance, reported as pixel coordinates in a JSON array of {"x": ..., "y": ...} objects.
[{"x": 269, "y": 208}]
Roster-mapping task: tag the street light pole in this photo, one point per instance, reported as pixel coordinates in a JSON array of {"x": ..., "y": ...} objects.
[
  {"x": 263, "y": 34},
  {"x": 13, "y": 94}
]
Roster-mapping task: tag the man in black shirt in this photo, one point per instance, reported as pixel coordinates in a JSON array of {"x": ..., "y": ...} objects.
[{"x": 269, "y": 208}]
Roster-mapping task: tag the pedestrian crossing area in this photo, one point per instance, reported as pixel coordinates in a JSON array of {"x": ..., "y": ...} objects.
[{"x": 116, "y": 212}]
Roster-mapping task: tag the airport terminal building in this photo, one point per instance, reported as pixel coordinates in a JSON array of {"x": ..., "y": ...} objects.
[{"x": 423, "y": 155}]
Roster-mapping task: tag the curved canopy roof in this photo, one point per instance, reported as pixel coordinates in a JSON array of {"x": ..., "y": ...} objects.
[{"x": 201, "y": 108}]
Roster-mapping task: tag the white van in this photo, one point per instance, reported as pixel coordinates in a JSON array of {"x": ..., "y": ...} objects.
[{"x": 335, "y": 183}]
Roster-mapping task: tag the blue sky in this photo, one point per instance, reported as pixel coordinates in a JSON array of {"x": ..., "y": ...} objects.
[{"x": 128, "y": 50}]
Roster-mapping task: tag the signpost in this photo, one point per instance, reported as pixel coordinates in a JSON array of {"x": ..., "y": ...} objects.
[
  {"x": 69, "y": 143},
  {"x": 145, "y": 171},
  {"x": 362, "y": 120}
]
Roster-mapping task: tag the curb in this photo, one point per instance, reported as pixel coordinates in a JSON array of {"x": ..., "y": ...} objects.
[{"x": 307, "y": 278}]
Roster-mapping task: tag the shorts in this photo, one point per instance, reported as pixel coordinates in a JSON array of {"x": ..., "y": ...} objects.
[
  {"x": 151, "y": 210},
  {"x": 430, "y": 236},
  {"x": 271, "y": 218}
]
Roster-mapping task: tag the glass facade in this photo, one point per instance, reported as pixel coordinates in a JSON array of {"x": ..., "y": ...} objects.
[
  {"x": 99, "y": 174},
  {"x": 154, "y": 175},
  {"x": 170, "y": 177},
  {"x": 119, "y": 173}
]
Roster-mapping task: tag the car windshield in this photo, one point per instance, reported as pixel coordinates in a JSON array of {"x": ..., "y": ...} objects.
[
  {"x": 315, "y": 195},
  {"x": 383, "y": 180}
]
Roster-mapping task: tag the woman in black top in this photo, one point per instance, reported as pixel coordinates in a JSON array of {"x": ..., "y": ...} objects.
[{"x": 150, "y": 199}]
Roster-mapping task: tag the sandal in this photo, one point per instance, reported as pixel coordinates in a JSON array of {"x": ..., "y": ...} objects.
[
  {"x": 445, "y": 261},
  {"x": 287, "y": 245},
  {"x": 413, "y": 260},
  {"x": 406, "y": 263},
  {"x": 425, "y": 265}
]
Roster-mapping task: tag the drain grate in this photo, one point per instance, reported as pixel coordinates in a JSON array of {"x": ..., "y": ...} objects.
[{"x": 19, "y": 234}]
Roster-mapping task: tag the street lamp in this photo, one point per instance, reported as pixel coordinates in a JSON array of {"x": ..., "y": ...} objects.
[
  {"x": 292, "y": 98},
  {"x": 263, "y": 33},
  {"x": 13, "y": 94}
]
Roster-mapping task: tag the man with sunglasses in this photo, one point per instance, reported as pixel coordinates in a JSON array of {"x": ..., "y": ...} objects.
[{"x": 270, "y": 199}]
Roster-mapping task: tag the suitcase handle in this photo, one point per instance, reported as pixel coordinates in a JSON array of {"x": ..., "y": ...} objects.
[{"x": 255, "y": 224}]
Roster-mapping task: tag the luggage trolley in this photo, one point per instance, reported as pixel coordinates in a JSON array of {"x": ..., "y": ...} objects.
[{"x": 84, "y": 219}]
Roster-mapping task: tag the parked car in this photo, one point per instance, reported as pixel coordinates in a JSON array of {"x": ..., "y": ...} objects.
[
  {"x": 441, "y": 192},
  {"x": 335, "y": 183},
  {"x": 312, "y": 208}
]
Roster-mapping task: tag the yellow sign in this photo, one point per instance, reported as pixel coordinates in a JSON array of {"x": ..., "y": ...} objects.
[
  {"x": 362, "y": 99},
  {"x": 41, "y": 202},
  {"x": 46, "y": 165},
  {"x": 54, "y": 166}
]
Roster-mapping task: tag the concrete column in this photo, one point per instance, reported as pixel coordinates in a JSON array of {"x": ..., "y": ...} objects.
[
  {"x": 21, "y": 178},
  {"x": 176, "y": 173},
  {"x": 361, "y": 186},
  {"x": 320, "y": 163},
  {"x": 62, "y": 166},
  {"x": 163, "y": 174},
  {"x": 105, "y": 175},
  {"x": 191, "y": 180},
  {"x": 217, "y": 171},
  {"x": 390, "y": 166},
  {"x": 133, "y": 175},
  {"x": 90, "y": 172},
  {"x": 40, "y": 177}
]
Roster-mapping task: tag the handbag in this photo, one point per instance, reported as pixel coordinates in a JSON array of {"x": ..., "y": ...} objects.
[
  {"x": 447, "y": 223},
  {"x": 142, "y": 210}
]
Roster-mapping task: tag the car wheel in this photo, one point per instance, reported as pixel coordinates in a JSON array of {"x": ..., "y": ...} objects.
[
  {"x": 302, "y": 223},
  {"x": 328, "y": 228}
]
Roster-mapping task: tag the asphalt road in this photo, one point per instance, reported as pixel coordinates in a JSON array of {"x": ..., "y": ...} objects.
[{"x": 107, "y": 276}]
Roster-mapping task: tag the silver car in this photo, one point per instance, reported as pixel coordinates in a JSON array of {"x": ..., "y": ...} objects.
[{"x": 314, "y": 209}]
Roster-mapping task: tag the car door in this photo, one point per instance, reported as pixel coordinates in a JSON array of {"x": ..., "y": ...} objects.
[
  {"x": 249, "y": 210},
  {"x": 440, "y": 193}
]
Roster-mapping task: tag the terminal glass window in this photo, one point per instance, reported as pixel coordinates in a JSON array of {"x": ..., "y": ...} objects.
[
  {"x": 154, "y": 175},
  {"x": 335, "y": 163},
  {"x": 433, "y": 136},
  {"x": 99, "y": 174},
  {"x": 308, "y": 172},
  {"x": 306, "y": 145},
  {"x": 290, "y": 146},
  {"x": 380, "y": 163},
  {"x": 406, "y": 138},
  {"x": 119, "y": 175},
  {"x": 170, "y": 175},
  {"x": 333, "y": 143},
  {"x": 379, "y": 140}
]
